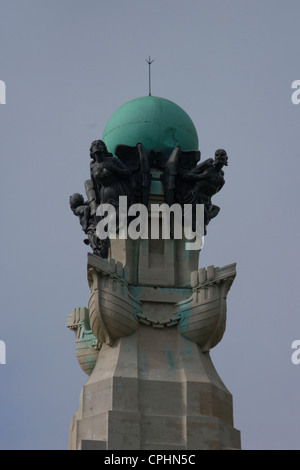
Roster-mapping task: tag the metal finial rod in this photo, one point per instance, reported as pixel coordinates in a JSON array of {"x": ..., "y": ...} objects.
[{"x": 149, "y": 62}]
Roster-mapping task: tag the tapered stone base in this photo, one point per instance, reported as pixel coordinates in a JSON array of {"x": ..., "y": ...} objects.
[{"x": 154, "y": 390}]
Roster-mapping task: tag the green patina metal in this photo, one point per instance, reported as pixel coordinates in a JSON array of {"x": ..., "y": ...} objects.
[{"x": 158, "y": 123}]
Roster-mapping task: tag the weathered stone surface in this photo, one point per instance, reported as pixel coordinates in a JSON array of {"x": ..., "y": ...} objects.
[{"x": 155, "y": 390}]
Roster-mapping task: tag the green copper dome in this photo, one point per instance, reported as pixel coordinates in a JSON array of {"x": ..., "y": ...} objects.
[{"x": 157, "y": 123}]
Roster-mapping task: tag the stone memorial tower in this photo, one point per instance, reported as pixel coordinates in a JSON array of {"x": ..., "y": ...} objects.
[{"x": 153, "y": 315}]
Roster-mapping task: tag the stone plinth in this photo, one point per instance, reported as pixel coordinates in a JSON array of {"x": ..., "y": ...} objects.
[{"x": 154, "y": 390}]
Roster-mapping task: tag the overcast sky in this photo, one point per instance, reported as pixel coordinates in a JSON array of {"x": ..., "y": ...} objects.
[{"x": 67, "y": 66}]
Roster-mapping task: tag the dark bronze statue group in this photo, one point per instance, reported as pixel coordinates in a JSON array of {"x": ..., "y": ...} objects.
[{"x": 184, "y": 179}]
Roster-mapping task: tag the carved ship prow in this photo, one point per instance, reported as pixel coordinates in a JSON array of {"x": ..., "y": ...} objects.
[
  {"x": 112, "y": 309},
  {"x": 203, "y": 315},
  {"x": 87, "y": 345}
]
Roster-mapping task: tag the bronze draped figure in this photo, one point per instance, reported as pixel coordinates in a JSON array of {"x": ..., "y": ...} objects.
[{"x": 184, "y": 179}]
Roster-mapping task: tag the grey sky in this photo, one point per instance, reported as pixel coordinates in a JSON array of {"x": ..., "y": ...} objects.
[{"x": 68, "y": 65}]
